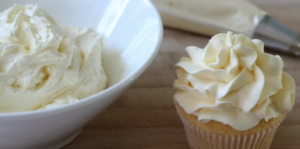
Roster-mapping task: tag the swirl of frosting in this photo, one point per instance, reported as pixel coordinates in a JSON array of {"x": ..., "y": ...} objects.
[{"x": 234, "y": 82}]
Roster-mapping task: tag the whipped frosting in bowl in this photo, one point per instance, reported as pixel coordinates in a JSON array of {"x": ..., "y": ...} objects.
[
  {"x": 234, "y": 82},
  {"x": 130, "y": 43},
  {"x": 42, "y": 64}
]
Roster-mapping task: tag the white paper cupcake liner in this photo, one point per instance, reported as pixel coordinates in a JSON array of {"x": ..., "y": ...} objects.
[{"x": 202, "y": 139}]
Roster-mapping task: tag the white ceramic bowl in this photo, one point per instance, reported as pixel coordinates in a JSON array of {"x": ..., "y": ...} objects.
[{"x": 132, "y": 32}]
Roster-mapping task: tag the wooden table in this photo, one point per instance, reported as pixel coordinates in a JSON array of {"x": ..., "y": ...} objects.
[{"x": 144, "y": 117}]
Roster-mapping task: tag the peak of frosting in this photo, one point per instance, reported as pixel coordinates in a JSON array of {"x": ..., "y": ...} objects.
[{"x": 234, "y": 82}]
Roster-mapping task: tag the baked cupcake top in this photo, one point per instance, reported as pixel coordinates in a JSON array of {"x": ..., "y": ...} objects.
[{"x": 234, "y": 82}]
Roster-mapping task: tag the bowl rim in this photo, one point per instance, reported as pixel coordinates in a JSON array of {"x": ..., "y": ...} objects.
[{"x": 118, "y": 86}]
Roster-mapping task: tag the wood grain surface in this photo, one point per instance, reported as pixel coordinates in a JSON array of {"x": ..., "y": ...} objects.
[{"x": 144, "y": 117}]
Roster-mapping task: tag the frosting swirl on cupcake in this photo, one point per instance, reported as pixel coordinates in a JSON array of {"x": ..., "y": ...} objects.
[{"x": 234, "y": 82}]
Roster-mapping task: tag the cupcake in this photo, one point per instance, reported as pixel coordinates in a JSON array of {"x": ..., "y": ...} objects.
[{"x": 231, "y": 94}]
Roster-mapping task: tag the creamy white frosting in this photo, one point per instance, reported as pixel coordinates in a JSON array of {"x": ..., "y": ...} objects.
[
  {"x": 210, "y": 17},
  {"x": 42, "y": 63},
  {"x": 234, "y": 82}
]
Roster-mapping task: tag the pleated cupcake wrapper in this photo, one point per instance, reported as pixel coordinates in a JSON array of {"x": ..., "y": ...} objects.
[{"x": 202, "y": 139}]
